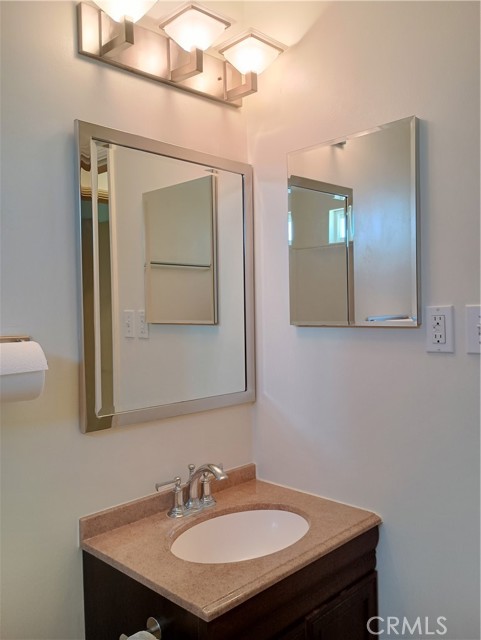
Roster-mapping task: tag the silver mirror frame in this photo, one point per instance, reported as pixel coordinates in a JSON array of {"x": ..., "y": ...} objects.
[{"x": 85, "y": 132}]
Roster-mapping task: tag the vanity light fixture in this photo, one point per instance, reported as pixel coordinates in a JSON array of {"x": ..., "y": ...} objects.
[
  {"x": 120, "y": 9},
  {"x": 125, "y": 13},
  {"x": 176, "y": 54},
  {"x": 250, "y": 53},
  {"x": 194, "y": 27}
]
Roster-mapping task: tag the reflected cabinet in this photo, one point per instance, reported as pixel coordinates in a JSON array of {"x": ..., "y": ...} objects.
[{"x": 353, "y": 230}]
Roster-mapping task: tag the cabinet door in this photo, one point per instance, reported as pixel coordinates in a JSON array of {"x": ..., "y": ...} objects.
[
  {"x": 297, "y": 632},
  {"x": 115, "y": 604},
  {"x": 346, "y": 616}
]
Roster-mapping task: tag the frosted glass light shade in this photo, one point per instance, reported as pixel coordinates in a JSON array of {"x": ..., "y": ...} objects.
[
  {"x": 252, "y": 52},
  {"x": 118, "y": 9},
  {"x": 194, "y": 27}
]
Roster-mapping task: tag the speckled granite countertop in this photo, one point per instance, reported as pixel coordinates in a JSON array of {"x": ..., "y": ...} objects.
[{"x": 136, "y": 538}]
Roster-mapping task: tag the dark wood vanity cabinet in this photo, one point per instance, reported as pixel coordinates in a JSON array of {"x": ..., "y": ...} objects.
[{"x": 330, "y": 599}]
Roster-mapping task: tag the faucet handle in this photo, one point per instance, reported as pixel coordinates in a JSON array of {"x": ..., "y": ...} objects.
[
  {"x": 177, "y": 481},
  {"x": 177, "y": 511},
  {"x": 207, "y": 497}
]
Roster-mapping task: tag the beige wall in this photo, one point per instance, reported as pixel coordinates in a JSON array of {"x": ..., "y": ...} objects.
[
  {"x": 51, "y": 473},
  {"x": 366, "y": 416}
]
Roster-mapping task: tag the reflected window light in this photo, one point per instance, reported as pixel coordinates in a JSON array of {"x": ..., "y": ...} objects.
[
  {"x": 337, "y": 226},
  {"x": 290, "y": 228}
]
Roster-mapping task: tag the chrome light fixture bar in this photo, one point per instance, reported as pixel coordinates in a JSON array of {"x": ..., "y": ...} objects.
[{"x": 183, "y": 63}]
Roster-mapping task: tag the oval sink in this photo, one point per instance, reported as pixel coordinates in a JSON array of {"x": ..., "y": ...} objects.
[{"x": 238, "y": 536}]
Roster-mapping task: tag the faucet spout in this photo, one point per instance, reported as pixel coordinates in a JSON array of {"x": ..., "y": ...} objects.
[{"x": 194, "y": 502}]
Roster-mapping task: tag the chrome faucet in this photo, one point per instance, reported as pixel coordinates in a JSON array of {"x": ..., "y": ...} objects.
[{"x": 202, "y": 474}]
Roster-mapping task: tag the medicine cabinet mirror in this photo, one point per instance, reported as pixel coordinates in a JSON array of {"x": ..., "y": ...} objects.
[
  {"x": 167, "y": 279},
  {"x": 353, "y": 230}
]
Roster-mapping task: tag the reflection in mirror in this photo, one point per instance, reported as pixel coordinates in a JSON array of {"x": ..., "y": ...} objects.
[
  {"x": 353, "y": 249},
  {"x": 166, "y": 277},
  {"x": 179, "y": 246},
  {"x": 320, "y": 251}
]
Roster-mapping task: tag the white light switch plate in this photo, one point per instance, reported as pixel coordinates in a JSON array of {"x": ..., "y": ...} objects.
[
  {"x": 473, "y": 328},
  {"x": 439, "y": 329}
]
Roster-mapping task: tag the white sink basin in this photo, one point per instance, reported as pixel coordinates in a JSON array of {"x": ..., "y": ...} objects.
[{"x": 242, "y": 535}]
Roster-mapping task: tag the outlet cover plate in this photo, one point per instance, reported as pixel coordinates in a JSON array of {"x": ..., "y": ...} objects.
[{"x": 440, "y": 329}]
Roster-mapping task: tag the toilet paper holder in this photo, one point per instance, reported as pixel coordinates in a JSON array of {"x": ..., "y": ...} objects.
[
  {"x": 22, "y": 368},
  {"x": 153, "y": 627}
]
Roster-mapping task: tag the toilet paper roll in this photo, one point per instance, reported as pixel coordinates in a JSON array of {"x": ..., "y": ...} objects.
[
  {"x": 140, "y": 635},
  {"x": 22, "y": 371}
]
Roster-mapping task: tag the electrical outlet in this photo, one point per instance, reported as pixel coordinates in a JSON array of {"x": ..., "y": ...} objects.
[
  {"x": 142, "y": 325},
  {"x": 473, "y": 328},
  {"x": 129, "y": 323},
  {"x": 439, "y": 329}
]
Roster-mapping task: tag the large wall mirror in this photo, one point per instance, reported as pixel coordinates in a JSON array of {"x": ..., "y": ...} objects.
[
  {"x": 167, "y": 279},
  {"x": 353, "y": 230}
]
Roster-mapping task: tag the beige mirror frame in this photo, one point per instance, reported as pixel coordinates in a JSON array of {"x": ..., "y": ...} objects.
[{"x": 89, "y": 138}]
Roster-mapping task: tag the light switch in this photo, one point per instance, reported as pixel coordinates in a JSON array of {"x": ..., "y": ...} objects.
[{"x": 473, "y": 328}]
